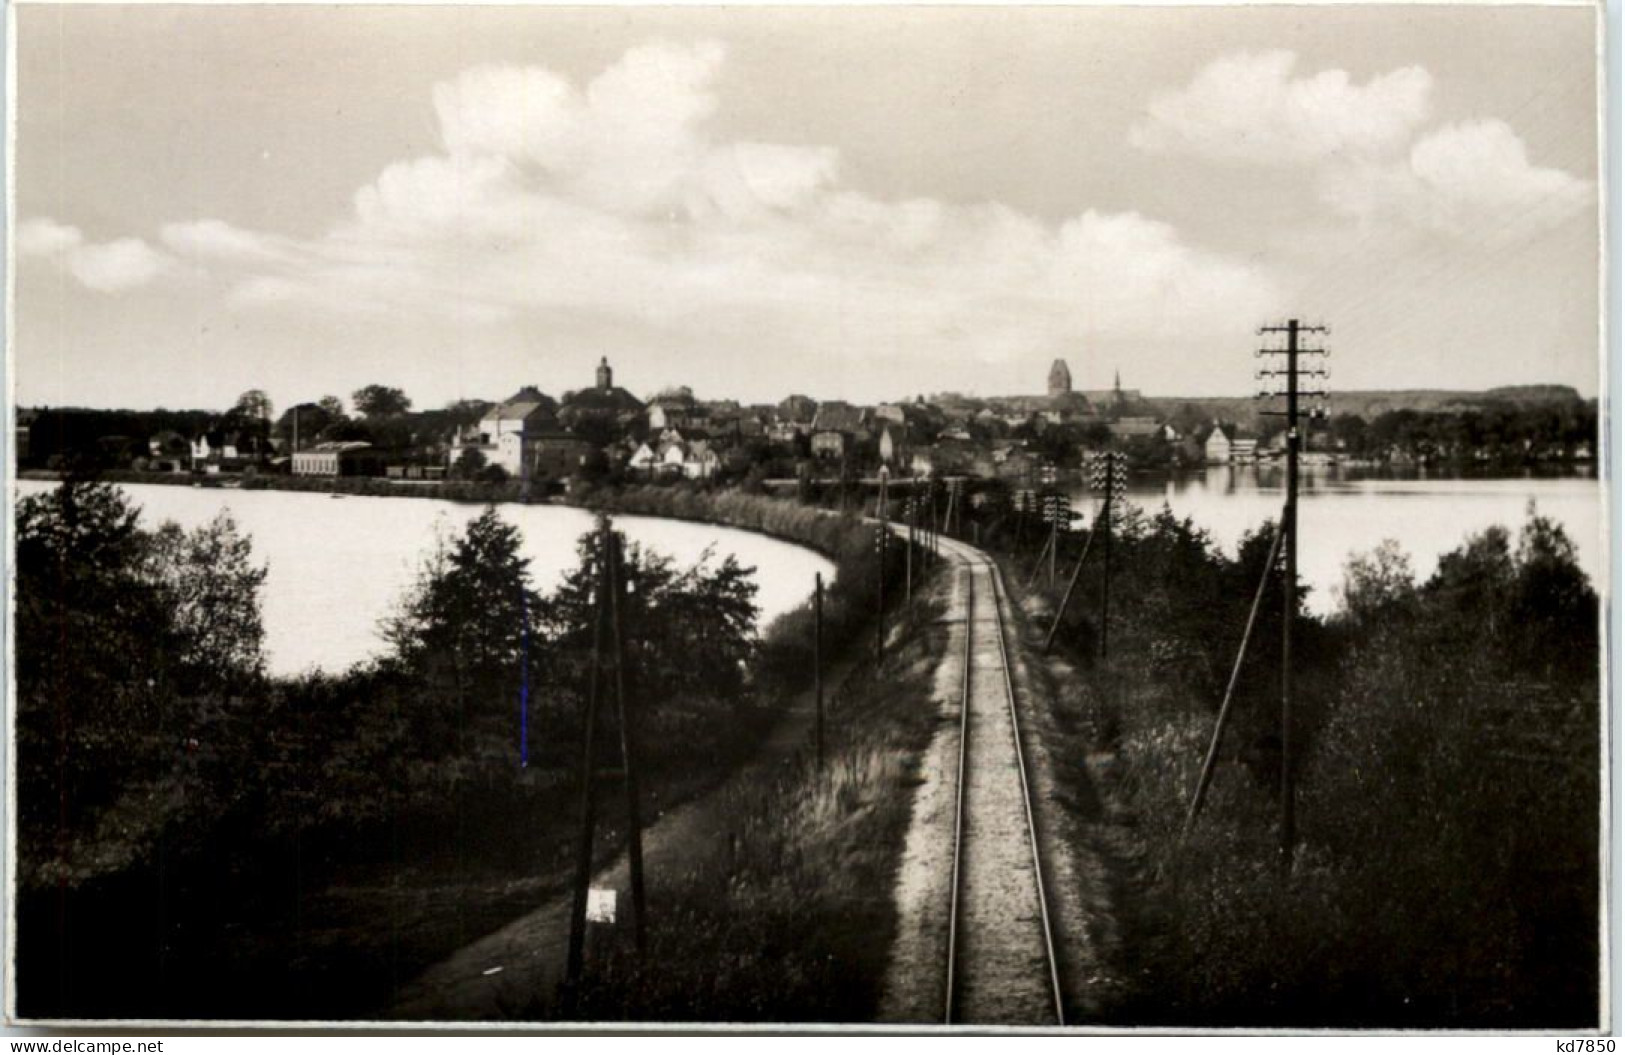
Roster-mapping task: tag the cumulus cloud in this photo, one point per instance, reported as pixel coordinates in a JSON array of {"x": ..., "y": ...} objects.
[
  {"x": 218, "y": 240},
  {"x": 1249, "y": 108},
  {"x": 107, "y": 267},
  {"x": 1467, "y": 180},
  {"x": 43, "y": 236},
  {"x": 555, "y": 201}
]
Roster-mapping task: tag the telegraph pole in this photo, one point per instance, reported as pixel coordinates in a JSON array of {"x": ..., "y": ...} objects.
[
  {"x": 953, "y": 518},
  {"x": 1293, "y": 372},
  {"x": 589, "y": 795},
  {"x": 629, "y": 756},
  {"x": 606, "y": 623},
  {"x": 908, "y": 552},
  {"x": 818, "y": 664},
  {"x": 1110, "y": 476},
  {"x": 1052, "y": 511},
  {"x": 930, "y": 522},
  {"x": 881, "y": 534}
]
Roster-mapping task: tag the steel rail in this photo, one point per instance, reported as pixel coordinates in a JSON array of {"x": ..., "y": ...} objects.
[
  {"x": 975, "y": 559},
  {"x": 1027, "y": 802},
  {"x": 959, "y": 799}
]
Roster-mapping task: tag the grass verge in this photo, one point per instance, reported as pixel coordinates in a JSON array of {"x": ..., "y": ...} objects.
[{"x": 787, "y": 915}]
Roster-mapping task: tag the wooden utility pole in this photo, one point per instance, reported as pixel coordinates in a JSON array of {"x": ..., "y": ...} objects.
[
  {"x": 629, "y": 756},
  {"x": 607, "y": 623},
  {"x": 524, "y": 679},
  {"x": 1293, "y": 373},
  {"x": 1038, "y": 565},
  {"x": 882, "y": 541},
  {"x": 818, "y": 665},
  {"x": 1052, "y": 511},
  {"x": 908, "y": 554},
  {"x": 1071, "y": 584},
  {"x": 1054, "y": 539},
  {"x": 589, "y": 785},
  {"x": 1110, "y": 477},
  {"x": 880, "y": 596}
]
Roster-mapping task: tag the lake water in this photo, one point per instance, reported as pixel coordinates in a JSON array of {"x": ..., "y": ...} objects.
[
  {"x": 337, "y": 566},
  {"x": 1344, "y": 511}
]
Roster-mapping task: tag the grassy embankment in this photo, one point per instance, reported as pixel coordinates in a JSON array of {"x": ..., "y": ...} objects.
[
  {"x": 787, "y": 915},
  {"x": 1448, "y": 787}
]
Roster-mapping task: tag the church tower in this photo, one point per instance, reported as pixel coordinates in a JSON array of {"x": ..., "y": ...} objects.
[
  {"x": 606, "y": 376},
  {"x": 1060, "y": 379}
]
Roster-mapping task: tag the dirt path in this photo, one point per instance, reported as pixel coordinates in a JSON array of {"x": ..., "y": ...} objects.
[
  {"x": 916, "y": 976},
  {"x": 515, "y": 971}
]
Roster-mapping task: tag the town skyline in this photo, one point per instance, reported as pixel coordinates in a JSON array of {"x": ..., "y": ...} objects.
[
  {"x": 501, "y": 196},
  {"x": 1033, "y": 390}
]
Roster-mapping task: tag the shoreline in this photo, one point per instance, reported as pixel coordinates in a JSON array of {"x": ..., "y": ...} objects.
[{"x": 636, "y": 499}]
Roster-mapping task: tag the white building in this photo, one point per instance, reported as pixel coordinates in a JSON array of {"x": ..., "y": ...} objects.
[{"x": 508, "y": 434}]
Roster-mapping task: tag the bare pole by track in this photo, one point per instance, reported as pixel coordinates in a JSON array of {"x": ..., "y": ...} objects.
[{"x": 1293, "y": 373}]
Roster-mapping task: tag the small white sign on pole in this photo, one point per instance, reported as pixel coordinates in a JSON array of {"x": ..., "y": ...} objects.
[{"x": 600, "y": 905}]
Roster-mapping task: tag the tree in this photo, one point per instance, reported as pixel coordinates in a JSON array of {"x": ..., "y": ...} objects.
[
  {"x": 688, "y": 632},
  {"x": 380, "y": 401},
  {"x": 464, "y": 412},
  {"x": 211, "y": 590},
  {"x": 254, "y": 405},
  {"x": 313, "y": 418},
  {"x": 91, "y": 664},
  {"x": 333, "y": 406},
  {"x": 1378, "y": 584},
  {"x": 468, "y": 464},
  {"x": 472, "y": 610}
]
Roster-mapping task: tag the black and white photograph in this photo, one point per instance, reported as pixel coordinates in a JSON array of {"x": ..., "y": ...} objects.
[{"x": 1073, "y": 518}]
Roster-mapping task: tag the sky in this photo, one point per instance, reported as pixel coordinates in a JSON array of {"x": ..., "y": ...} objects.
[{"x": 862, "y": 202}]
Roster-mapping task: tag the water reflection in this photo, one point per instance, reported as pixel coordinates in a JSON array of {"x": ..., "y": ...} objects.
[
  {"x": 1345, "y": 510},
  {"x": 337, "y": 566}
]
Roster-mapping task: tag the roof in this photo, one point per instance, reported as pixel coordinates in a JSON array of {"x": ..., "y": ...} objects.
[
  {"x": 339, "y": 446},
  {"x": 600, "y": 400},
  {"x": 524, "y": 405},
  {"x": 797, "y": 408},
  {"x": 837, "y": 417}
]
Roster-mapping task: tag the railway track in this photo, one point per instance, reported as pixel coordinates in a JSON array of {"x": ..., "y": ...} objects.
[{"x": 1001, "y": 963}]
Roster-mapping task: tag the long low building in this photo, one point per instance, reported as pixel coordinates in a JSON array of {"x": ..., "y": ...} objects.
[{"x": 353, "y": 458}]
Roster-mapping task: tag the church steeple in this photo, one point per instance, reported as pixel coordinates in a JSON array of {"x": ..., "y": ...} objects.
[
  {"x": 606, "y": 376},
  {"x": 1060, "y": 378}
]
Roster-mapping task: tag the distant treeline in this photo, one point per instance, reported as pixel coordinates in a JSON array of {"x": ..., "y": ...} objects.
[
  {"x": 113, "y": 437},
  {"x": 1495, "y": 433},
  {"x": 121, "y": 438},
  {"x": 1533, "y": 401}
]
